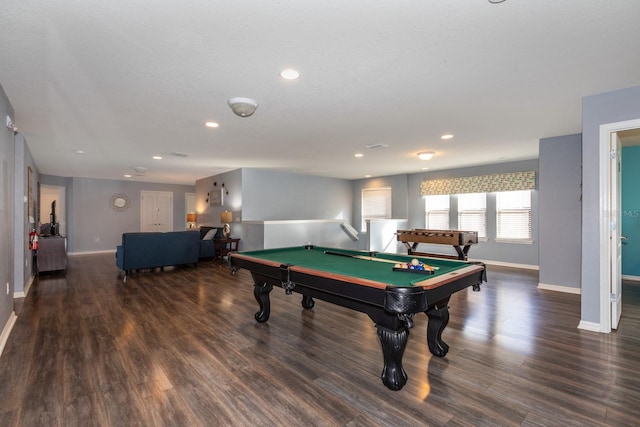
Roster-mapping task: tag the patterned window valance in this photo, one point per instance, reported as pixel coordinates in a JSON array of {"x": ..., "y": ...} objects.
[{"x": 512, "y": 181}]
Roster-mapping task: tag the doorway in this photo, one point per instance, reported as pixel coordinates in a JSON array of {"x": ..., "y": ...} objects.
[
  {"x": 610, "y": 225},
  {"x": 49, "y": 194}
]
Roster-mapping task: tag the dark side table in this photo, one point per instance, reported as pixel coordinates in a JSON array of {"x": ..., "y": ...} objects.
[{"x": 222, "y": 247}]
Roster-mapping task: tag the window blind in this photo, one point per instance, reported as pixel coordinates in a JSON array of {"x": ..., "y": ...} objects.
[
  {"x": 513, "y": 215},
  {"x": 437, "y": 212},
  {"x": 472, "y": 213},
  {"x": 376, "y": 204}
]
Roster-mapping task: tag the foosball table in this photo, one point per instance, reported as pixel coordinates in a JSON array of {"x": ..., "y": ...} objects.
[{"x": 460, "y": 240}]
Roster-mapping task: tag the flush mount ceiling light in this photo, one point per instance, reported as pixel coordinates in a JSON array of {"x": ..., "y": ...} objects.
[
  {"x": 243, "y": 107},
  {"x": 426, "y": 155},
  {"x": 446, "y": 136},
  {"x": 211, "y": 124}
]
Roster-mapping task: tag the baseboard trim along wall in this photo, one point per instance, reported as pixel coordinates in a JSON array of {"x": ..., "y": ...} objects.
[
  {"x": 106, "y": 251},
  {"x": 27, "y": 287},
  {"x": 558, "y": 288},
  {"x": 589, "y": 326},
  {"x": 631, "y": 278},
  {"x": 509, "y": 264},
  {"x": 6, "y": 331}
]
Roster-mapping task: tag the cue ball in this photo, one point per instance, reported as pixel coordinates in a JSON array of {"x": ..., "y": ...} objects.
[{"x": 415, "y": 262}]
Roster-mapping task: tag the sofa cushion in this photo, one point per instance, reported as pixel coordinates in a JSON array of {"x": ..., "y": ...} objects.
[
  {"x": 210, "y": 234},
  {"x": 204, "y": 230}
]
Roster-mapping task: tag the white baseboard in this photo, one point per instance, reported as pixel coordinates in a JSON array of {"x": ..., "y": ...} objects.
[
  {"x": 631, "y": 278},
  {"x": 106, "y": 251},
  {"x": 6, "y": 331},
  {"x": 589, "y": 326},
  {"x": 27, "y": 288},
  {"x": 508, "y": 264},
  {"x": 559, "y": 288}
]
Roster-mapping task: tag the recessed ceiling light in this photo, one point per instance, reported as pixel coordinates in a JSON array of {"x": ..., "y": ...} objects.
[
  {"x": 367, "y": 176},
  {"x": 427, "y": 155},
  {"x": 358, "y": 155},
  {"x": 127, "y": 175},
  {"x": 211, "y": 124},
  {"x": 79, "y": 151},
  {"x": 289, "y": 74},
  {"x": 446, "y": 136},
  {"x": 157, "y": 157}
]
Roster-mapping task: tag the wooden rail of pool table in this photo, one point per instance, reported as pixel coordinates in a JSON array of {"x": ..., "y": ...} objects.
[{"x": 431, "y": 283}]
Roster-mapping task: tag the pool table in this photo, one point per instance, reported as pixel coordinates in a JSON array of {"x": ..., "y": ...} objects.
[{"x": 368, "y": 282}]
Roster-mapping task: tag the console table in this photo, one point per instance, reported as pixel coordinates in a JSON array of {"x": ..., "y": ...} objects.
[
  {"x": 222, "y": 247},
  {"x": 52, "y": 254}
]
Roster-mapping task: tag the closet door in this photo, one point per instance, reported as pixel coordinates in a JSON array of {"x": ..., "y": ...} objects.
[{"x": 156, "y": 211}]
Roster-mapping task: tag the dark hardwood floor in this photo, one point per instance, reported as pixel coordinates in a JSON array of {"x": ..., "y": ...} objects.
[{"x": 181, "y": 348}]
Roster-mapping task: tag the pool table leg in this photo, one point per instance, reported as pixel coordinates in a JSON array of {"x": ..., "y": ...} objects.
[
  {"x": 261, "y": 293},
  {"x": 393, "y": 345},
  {"x": 307, "y": 302},
  {"x": 438, "y": 315}
]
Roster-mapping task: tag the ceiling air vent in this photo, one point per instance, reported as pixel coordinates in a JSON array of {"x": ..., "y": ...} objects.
[
  {"x": 179, "y": 154},
  {"x": 376, "y": 146},
  {"x": 140, "y": 170}
]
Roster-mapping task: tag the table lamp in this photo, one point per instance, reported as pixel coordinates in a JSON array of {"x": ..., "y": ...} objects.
[
  {"x": 226, "y": 217},
  {"x": 191, "y": 219}
]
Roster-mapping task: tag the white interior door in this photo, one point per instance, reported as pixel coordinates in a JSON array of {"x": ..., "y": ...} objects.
[
  {"x": 616, "y": 230},
  {"x": 165, "y": 211},
  {"x": 156, "y": 211}
]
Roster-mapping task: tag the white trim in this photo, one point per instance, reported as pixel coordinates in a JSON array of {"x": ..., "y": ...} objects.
[
  {"x": 509, "y": 264},
  {"x": 558, "y": 288},
  {"x": 26, "y": 290},
  {"x": 631, "y": 278},
  {"x": 106, "y": 251},
  {"x": 516, "y": 241},
  {"x": 604, "y": 210},
  {"x": 589, "y": 326},
  {"x": 6, "y": 331}
]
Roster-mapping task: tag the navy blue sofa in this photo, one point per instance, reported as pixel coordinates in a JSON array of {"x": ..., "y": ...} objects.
[{"x": 155, "y": 249}]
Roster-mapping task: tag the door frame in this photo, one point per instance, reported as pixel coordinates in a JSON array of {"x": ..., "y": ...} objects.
[{"x": 605, "y": 210}]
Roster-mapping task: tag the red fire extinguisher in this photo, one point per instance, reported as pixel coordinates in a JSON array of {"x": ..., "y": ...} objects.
[{"x": 33, "y": 240}]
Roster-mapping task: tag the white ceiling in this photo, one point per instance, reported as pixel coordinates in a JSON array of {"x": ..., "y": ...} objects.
[{"x": 124, "y": 81}]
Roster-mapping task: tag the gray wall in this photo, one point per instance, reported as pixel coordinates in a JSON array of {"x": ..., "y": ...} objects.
[
  {"x": 24, "y": 270},
  {"x": 7, "y": 215},
  {"x": 232, "y": 198},
  {"x": 269, "y": 195},
  {"x": 514, "y": 253},
  {"x": 93, "y": 226},
  {"x": 597, "y": 110},
  {"x": 560, "y": 210}
]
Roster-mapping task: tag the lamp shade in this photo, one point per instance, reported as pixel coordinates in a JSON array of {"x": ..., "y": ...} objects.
[
  {"x": 226, "y": 217},
  {"x": 191, "y": 217}
]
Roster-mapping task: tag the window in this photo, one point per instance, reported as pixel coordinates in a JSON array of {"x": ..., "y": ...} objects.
[
  {"x": 376, "y": 204},
  {"x": 436, "y": 212},
  {"x": 513, "y": 211},
  {"x": 472, "y": 213}
]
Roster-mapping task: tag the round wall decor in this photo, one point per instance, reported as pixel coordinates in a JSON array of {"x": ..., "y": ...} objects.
[{"x": 119, "y": 202}]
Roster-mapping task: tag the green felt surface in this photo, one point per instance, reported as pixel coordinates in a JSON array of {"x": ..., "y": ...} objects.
[{"x": 316, "y": 258}]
